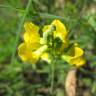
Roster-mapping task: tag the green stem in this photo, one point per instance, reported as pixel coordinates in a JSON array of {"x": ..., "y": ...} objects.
[{"x": 52, "y": 77}]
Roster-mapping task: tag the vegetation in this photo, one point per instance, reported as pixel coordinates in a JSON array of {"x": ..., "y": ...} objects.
[{"x": 18, "y": 78}]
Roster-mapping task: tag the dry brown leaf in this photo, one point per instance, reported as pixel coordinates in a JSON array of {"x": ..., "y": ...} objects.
[{"x": 70, "y": 83}]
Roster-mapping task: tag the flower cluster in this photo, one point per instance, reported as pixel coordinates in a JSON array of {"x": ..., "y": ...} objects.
[{"x": 54, "y": 40}]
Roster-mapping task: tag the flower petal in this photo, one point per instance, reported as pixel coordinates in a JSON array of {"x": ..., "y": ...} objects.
[
  {"x": 79, "y": 61},
  {"x": 30, "y": 27},
  {"x": 74, "y": 56},
  {"x": 60, "y": 30},
  {"x": 32, "y": 33},
  {"x": 26, "y": 54},
  {"x": 31, "y": 37}
]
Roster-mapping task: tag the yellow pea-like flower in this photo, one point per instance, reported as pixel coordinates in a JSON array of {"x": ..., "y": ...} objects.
[
  {"x": 31, "y": 49},
  {"x": 54, "y": 38},
  {"x": 59, "y": 32},
  {"x": 74, "y": 56}
]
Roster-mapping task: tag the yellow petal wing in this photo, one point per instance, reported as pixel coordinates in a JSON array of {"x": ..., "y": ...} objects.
[
  {"x": 79, "y": 61},
  {"x": 31, "y": 37},
  {"x": 77, "y": 58},
  {"x": 60, "y": 30},
  {"x": 74, "y": 56},
  {"x": 30, "y": 27},
  {"x": 26, "y": 53},
  {"x": 31, "y": 34}
]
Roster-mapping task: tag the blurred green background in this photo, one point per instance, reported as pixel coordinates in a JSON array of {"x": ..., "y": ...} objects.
[{"x": 20, "y": 79}]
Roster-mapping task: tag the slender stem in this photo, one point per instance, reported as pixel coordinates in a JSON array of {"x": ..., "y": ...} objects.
[
  {"x": 11, "y": 7},
  {"x": 52, "y": 77}
]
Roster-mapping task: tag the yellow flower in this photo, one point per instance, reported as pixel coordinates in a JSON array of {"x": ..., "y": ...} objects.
[
  {"x": 35, "y": 47},
  {"x": 31, "y": 50},
  {"x": 74, "y": 56},
  {"x": 60, "y": 32}
]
